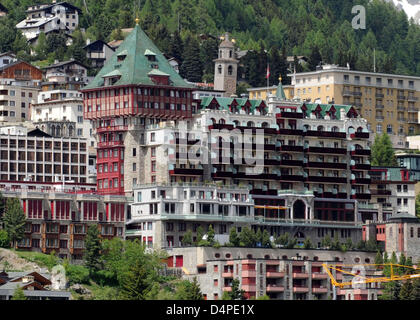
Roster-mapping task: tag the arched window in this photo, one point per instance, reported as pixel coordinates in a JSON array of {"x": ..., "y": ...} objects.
[
  {"x": 320, "y": 128},
  {"x": 264, "y": 125},
  {"x": 213, "y": 121},
  {"x": 360, "y": 129},
  {"x": 230, "y": 70},
  {"x": 334, "y": 129},
  {"x": 222, "y": 121},
  {"x": 250, "y": 124},
  {"x": 219, "y": 68}
]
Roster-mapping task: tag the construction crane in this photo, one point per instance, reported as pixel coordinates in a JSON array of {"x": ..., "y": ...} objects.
[{"x": 360, "y": 278}]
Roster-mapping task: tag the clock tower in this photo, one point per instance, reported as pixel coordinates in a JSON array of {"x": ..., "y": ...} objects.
[{"x": 226, "y": 67}]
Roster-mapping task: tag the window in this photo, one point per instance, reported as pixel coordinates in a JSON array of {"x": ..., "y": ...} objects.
[
  {"x": 134, "y": 166},
  {"x": 134, "y": 152},
  {"x": 152, "y": 137},
  {"x": 80, "y": 119}
]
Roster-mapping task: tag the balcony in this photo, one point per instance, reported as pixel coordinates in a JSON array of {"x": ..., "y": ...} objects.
[
  {"x": 401, "y": 97},
  {"x": 292, "y": 132},
  {"x": 288, "y": 148},
  {"x": 111, "y": 129},
  {"x": 411, "y": 98},
  {"x": 413, "y": 121},
  {"x": 270, "y": 192},
  {"x": 361, "y": 166},
  {"x": 290, "y": 115},
  {"x": 220, "y": 126},
  {"x": 326, "y": 179},
  {"x": 324, "y": 165},
  {"x": 227, "y": 289},
  {"x": 381, "y": 192},
  {"x": 300, "y": 275},
  {"x": 319, "y": 276},
  {"x": 379, "y": 106},
  {"x": 362, "y": 196},
  {"x": 249, "y": 273},
  {"x": 291, "y": 178},
  {"x": 361, "y": 181},
  {"x": 274, "y": 288},
  {"x": 181, "y": 141},
  {"x": 274, "y": 274},
  {"x": 222, "y": 174},
  {"x": 325, "y": 134},
  {"x": 401, "y": 108},
  {"x": 361, "y": 135},
  {"x": 327, "y": 150},
  {"x": 249, "y": 287},
  {"x": 227, "y": 275},
  {"x": 300, "y": 289},
  {"x": 271, "y": 162},
  {"x": 361, "y": 152},
  {"x": 379, "y": 95},
  {"x": 319, "y": 290},
  {"x": 291, "y": 163},
  {"x": 110, "y": 144},
  {"x": 412, "y": 109},
  {"x": 186, "y": 171}
]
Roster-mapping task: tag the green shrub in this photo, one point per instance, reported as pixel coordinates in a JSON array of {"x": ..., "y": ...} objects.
[
  {"x": 4, "y": 239},
  {"x": 77, "y": 274}
]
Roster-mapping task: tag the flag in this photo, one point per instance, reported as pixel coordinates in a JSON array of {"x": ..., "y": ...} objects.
[{"x": 268, "y": 72}]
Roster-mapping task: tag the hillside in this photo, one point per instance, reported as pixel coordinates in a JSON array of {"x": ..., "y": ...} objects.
[{"x": 320, "y": 29}]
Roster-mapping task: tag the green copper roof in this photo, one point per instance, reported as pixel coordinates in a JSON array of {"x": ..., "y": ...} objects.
[
  {"x": 149, "y": 53},
  {"x": 135, "y": 68},
  {"x": 225, "y": 102},
  {"x": 280, "y": 92},
  {"x": 326, "y": 107},
  {"x": 157, "y": 72},
  {"x": 113, "y": 73}
]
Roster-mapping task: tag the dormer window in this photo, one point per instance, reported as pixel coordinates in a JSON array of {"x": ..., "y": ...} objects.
[
  {"x": 151, "y": 56},
  {"x": 112, "y": 77},
  {"x": 122, "y": 55}
]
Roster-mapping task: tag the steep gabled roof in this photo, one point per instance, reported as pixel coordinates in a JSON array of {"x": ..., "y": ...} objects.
[
  {"x": 135, "y": 68},
  {"x": 310, "y": 107}
]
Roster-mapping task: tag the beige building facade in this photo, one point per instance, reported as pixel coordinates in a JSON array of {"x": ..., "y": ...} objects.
[{"x": 390, "y": 103}]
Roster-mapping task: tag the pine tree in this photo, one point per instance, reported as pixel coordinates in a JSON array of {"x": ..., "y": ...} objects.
[
  {"x": 93, "y": 249},
  {"x": 383, "y": 153},
  {"x": 247, "y": 237},
  {"x": 378, "y": 258},
  {"x": 41, "y": 47},
  {"x": 265, "y": 239},
  {"x": 406, "y": 292},
  {"x": 191, "y": 68},
  {"x": 187, "y": 239},
  {"x": 314, "y": 59},
  {"x": 236, "y": 293},
  {"x": 258, "y": 237},
  {"x": 210, "y": 235},
  {"x": 187, "y": 290},
  {"x": 176, "y": 47},
  {"x": 326, "y": 242},
  {"x": 19, "y": 294},
  {"x": 200, "y": 234},
  {"x": 233, "y": 237},
  {"x": 14, "y": 221}
]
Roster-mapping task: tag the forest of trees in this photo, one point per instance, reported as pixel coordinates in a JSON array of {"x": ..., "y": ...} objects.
[{"x": 318, "y": 29}]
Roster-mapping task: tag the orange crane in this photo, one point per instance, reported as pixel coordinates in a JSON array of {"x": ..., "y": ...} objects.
[{"x": 360, "y": 278}]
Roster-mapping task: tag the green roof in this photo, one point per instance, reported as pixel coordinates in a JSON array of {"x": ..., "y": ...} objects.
[
  {"x": 112, "y": 74},
  {"x": 225, "y": 102},
  {"x": 135, "y": 68},
  {"x": 280, "y": 92},
  {"x": 149, "y": 53},
  {"x": 157, "y": 72},
  {"x": 326, "y": 107}
]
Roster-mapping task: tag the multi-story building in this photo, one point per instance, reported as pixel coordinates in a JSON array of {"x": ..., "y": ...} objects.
[
  {"x": 7, "y": 58},
  {"x": 98, "y": 52},
  {"x": 283, "y": 274},
  {"x": 411, "y": 161},
  {"x": 49, "y": 17},
  {"x": 393, "y": 191},
  {"x": 35, "y": 156},
  {"x": 388, "y": 102},
  {"x": 136, "y": 89},
  {"x": 264, "y": 92},
  {"x": 58, "y": 221},
  {"x": 71, "y": 74},
  {"x": 400, "y": 234},
  {"x": 19, "y": 87}
]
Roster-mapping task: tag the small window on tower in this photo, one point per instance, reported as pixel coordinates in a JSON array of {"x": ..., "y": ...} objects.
[
  {"x": 220, "y": 69},
  {"x": 230, "y": 70}
]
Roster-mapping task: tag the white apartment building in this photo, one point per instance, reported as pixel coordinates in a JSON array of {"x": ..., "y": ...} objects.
[
  {"x": 49, "y": 17},
  {"x": 63, "y": 105}
]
